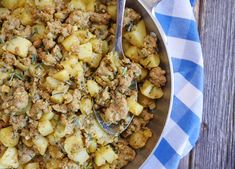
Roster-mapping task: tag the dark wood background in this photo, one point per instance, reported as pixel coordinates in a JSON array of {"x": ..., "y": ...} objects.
[{"x": 215, "y": 148}]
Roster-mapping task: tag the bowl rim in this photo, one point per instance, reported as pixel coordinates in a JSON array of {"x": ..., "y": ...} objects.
[{"x": 164, "y": 40}]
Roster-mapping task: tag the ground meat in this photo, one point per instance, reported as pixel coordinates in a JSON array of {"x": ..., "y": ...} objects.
[
  {"x": 18, "y": 102},
  {"x": 103, "y": 98},
  {"x": 26, "y": 32},
  {"x": 9, "y": 26},
  {"x": 8, "y": 58},
  {"x": 74, "y": 106},
  {"x": 18, "y": 122},
  {"x": 125, "y": 153},
  {"x": 136, "y": 124},
  {"x": 25, "y": 154},
  {"x": 117, "y": 110},
  {"x": 38, "y": 109},
  {"x": 130, "y": 16},
  {"x": 79, "y": 18},
  {"x": 150, "y": 46},
  {"x": 100, "y": 18},
  {"x": 47, "y": 58},
  {"x": 60, "y": 108},
  {"x": 55, "y": 151},
  {"x": 46, "y": 14},
  {"x": 101, "y": 31},
  {"x": 146, "y": 116},
  {"x": 157, "y": 77},
  {"x": 48, "y": 43}
]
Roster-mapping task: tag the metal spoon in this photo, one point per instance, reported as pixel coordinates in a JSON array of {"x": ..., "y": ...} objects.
[{"x": 116, "y": 129}]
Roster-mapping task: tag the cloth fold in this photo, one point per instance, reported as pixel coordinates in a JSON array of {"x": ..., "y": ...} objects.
[{"x": 182, "y": 129}]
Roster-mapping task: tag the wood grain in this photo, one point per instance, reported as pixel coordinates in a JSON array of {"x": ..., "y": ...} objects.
[{"x": 216, "y": 146}]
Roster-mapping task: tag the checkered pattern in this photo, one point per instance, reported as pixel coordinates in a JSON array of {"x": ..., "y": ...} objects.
[{"x": 182, "y": 130}]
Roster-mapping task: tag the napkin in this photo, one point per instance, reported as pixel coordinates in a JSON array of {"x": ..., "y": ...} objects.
[{"x": 182, "y": 128}]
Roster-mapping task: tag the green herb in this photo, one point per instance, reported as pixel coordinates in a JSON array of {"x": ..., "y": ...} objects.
[
  {"x": 89, "y": 166},
  {"x": 35, "y": 30},
  {"x": 19, "y": 75},
  {"x": 133, "y": 85},
  {"x": 124, "y": 70},
  {"x": 129, "y": 26},
  {"x": 57, "y": 93},
  {"x": 34, "y": 58},
  {"x": 1, "y": 41}
]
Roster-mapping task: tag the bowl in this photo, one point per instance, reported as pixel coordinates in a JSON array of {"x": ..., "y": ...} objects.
[{"x": 164, "y": 105}]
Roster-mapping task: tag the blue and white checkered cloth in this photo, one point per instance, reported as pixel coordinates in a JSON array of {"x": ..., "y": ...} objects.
[{"x": 182, "y": 129}]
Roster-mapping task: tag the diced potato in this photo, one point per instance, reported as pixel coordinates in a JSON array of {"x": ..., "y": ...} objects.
[
  {"x": 92, "y": 146},
  {"x": 95, "y": 62},
  {"x": 106, "y": 166},
  {"x": 57, "y": 98},
  {"x": 18, "y": 46},
  {"x": 77, "y": 4},
  {"x": 84, "y": 36},
  {"x": 70, "y": 41},
  {"x": 47, "y": 116},
  {"x": 4, "y": 11},
  {"x": 105, "y": 47},
  {"x": 8, "y": 138},
  {"x": 24, "y": 15},
  {"x": 62, "y": 75},
  {"x": 45, "y": 127},
  {"x": 151, "y": 61},
  {"x": 134, "y": 107},
  {"x": 73, "y": 66},
  {"x": 52, "y": 139},
  {"x": 151, "y": 91},
  {"x": 112, "y": 11},
  {"x": 41, "y": 144},
  {"x": 21, "y": 3},
  {"x": 73, "y": 146},
  {"x": 126, "y": 45},
  {"x": 105, "y": 154},
  {"x": 139, "y": 139},
  {"x": 93, "y": 88},
  {"x": 38, "y": 31},
  {"x": 85, "y": 52},
  {"x": 2, "y": 166},
  {"x": 52, "y": 83},
  {"x": 143, "y": 74},
  {"x": 34, "y": 165},
  {"x": 60, "y": 131},
  {"x": 90, "y": 5},
  {"x": 10, "y": 4},
  {"x": 28, "y": 143},
  {"x": 54, "y": 164},
  {"x": 137, "y": 35},
  {"x": 43, "y": 3},
  {"x": 132, "y": 53},
  {"x": 10, "y": 158},
  {"x": 86, "y": 105}
]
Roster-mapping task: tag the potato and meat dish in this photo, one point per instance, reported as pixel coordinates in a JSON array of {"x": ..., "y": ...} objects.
[{"x": 57, "y": 67}]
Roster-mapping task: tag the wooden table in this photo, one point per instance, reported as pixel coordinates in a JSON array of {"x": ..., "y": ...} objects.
[{"x": 215, "y": 148}]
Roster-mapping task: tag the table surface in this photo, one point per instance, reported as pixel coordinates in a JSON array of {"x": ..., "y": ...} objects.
[{"x": 215, "y": 148}]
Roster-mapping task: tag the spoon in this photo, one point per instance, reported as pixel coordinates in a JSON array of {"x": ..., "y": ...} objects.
[{"x": 117, "y": 129}]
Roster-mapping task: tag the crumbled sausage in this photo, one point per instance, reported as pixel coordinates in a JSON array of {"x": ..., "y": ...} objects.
[
  {"x": 100, "y": 18},
  {"x": 157, "y": 76}
]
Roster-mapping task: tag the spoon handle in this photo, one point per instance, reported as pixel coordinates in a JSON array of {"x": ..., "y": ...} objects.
[{"x": 120, "y": 17}]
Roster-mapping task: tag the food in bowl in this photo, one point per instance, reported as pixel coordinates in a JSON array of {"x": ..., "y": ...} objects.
[{"x": 57, "y": 67}]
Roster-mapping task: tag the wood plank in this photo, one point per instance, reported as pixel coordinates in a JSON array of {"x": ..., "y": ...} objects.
[{"x": 216, "y": 146}]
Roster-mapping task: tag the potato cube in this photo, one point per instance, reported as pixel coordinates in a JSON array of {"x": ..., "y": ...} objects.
[
  {"x": 143, "y": 74},
  {"x": 57, "y": 98},
  {"x": 145, "y": 101},
  {"x": 106, "y": 166},
  {"x": 90, "y": 5},
  {"x": 43, "y": 3},
  {"x": 8, "y": 138},
  {"x": 132, "y": 53},
  {"x": 85, "y": 52},
  {"x": 45, "y": 127},
  {"x": 52, "y": 83},
  {"x": 28, "y": 143},
  {"x": 9, "y": 4},
  {"x": 105, "y": 154},
  {"x": 73, "y": 146},
  {"x": 134, "y": 107},
  {"x": 95, "y": 62},
  {"x": 38, "y": 31},
  {"x": 41, "y": 144},
  {"x": 2, "y": 166},
  {"x": 93, "y": 88},
  {"x": 112, "y": 11},
  {"x": 34, "y": 165},
  {"x": 60, "y": 131},
  {"x": 10, "y": 158},
  {"x": 47, "y": 116},
  {"x": 24, "y": 15},
  {"x": 86, "y": 105},
  {"x": 137, "y": 35},
  {"x": 151, "y": 91},
  {"x": 54, "y": 164},
  {"x": 77, "y": 4},
  {"x": 4, "y": 11},
  {"x": 70, "y": 41},
  {"x": 151, "y": 61},
  {"x": 18, "y": 46},
  {"x": 62, "y": 75},
  {"x": 84, "y": 36}
]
